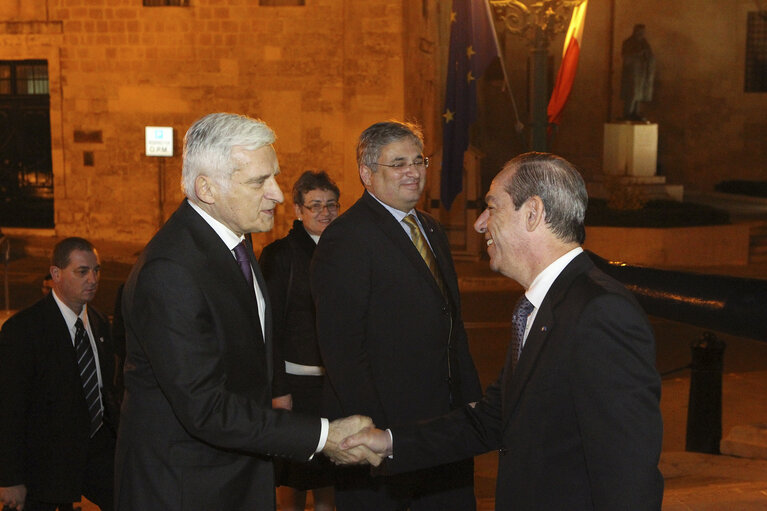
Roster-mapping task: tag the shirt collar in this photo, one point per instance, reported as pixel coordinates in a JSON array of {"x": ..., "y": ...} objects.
[
  {"x": 228, "y": 236},
  {"x": 541, "y": 284},
  {"x": 69, "y": 315},
  {"x": 397, "y": 214}
]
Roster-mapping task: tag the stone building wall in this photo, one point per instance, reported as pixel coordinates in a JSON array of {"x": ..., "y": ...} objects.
[{"x": 317, "y": 74}]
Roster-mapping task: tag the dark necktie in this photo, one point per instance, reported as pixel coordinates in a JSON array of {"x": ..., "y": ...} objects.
[
  {"x": 518, "y": 324},
  {"x": 86, "y": 363},
  {"x": 241, "y": 253},
  {"x": 425, "y": 251}
]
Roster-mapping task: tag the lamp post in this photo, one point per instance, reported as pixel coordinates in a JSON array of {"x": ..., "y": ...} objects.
[{"x": 538, "y": 23}]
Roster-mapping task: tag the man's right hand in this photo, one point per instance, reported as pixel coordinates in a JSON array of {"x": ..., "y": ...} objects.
[
  {"x": 378, "y": 441},
  {"x": 13, "y": 497},
  {"x": 339, "y": 430}
]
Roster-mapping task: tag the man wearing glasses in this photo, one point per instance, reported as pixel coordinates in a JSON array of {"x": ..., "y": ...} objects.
[{"x": 389, "y": 325}]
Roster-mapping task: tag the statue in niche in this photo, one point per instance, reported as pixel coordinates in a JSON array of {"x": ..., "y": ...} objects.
[{"x": 637, "y": 75}]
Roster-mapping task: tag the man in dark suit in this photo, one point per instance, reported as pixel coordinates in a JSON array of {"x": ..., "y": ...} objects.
[
  {"x": 59, "y": 397},
  {"x": 576, "y": 415},
  {"x": 389, "y": 321},
  {"x": 198, "y": 430}
]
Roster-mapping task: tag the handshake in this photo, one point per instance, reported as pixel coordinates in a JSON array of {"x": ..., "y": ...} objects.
[{"x": 355, "y": 440}]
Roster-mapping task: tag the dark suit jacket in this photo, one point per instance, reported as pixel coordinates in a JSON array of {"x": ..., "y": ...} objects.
[
  {"x": 394, "y": 347},
  {"x": 198, "y": 429},
  {"x": 44, "y": 420},
  {"x": 285, "y": 264},
  {"x": 578, "y": 423}
]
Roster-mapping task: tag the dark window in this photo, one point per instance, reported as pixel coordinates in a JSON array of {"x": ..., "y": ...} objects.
[
  {"x": 162, "y": 3},
  {"x": 281, "y": 3},
  {"x": 756, "y": 52},
  {"x": 26, "y": 178}
]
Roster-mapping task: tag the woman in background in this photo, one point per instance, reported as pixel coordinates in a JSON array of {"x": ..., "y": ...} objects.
[{"x": 298, "y": 370}]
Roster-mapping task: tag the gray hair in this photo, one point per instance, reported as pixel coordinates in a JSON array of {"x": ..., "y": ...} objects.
[
  {"x": 381, "y": 134},
  {"x": 559, "y": 185},
  {"x": 208, "y": 147}
]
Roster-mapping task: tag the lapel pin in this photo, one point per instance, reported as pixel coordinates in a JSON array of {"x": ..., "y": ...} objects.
[{"x": 544, "y": 328}]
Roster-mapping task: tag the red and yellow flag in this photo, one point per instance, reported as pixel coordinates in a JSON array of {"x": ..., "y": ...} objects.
[{"x": 570, "y": 54}]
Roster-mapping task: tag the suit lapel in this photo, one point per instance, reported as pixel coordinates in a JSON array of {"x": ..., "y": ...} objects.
[
  {"x": 261, "y": 283},
  {"x": 224, "y": 267},
  {"x": 98, "y": 340},
  {"x": 389, "y": 225},
  {"x": 59, "y": 334},
  {"x": 545, "y": 319},
  {"x": 515, "y": 381},
  {"x": 441, "y": 253},
  {"x": 57, "y": 326}
]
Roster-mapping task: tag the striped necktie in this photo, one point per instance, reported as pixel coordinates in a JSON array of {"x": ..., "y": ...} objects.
[
  {"x": 518, "y": 324},
  {"x": 86, "y": 363},
  {"x": 425, "y": 251}
]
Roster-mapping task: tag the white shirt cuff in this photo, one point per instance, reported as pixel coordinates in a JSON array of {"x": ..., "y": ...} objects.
[{"x": 323, "y": 435}]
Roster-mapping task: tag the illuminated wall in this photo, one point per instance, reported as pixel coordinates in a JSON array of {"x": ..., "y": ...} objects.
[{"x": 317, "y": 74}]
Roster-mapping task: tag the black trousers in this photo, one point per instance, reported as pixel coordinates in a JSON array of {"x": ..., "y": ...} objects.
[
  {"x": 443, "y": 488},
  {"x": 98, "y": 479}
]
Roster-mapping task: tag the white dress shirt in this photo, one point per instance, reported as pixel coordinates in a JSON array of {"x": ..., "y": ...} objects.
[{"x": 542, "y": 283}]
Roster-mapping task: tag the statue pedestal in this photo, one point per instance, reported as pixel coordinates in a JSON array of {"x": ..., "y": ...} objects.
[
  {"x": 630, "y": 160},
  {"x": 630, "y": 149}
]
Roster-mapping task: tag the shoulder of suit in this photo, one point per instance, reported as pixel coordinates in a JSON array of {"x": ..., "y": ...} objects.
[
  {"x": 275, "y": 248},
  {"x": 594, "y": 283},
  {"x": 184, "y": 239},
  {"x": 97, "y": 315},
  {"x": 34, "y": 317},
  {"x": 428, "y": 221},
  {"x": 359, "y": 214},
  {"x": 28, "y": 315}
]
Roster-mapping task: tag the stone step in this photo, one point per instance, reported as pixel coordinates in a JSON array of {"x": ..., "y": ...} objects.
[{"x": 746, "y": 441}]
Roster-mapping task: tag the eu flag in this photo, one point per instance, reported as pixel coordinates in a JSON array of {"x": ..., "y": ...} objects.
[{"x": 472, "y": 49}]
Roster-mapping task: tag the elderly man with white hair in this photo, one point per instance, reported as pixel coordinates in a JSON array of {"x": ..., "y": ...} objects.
[{"x": 198, "y": 429}]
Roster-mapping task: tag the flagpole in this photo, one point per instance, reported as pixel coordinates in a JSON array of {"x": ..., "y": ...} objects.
[
  {"x": 540, "y": 92},
  {"x": 518, "y": 125},
  {"x": 538, "y": 22}
]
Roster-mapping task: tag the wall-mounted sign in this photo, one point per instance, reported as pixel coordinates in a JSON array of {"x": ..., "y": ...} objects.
[{"x": 159, "y": 141}]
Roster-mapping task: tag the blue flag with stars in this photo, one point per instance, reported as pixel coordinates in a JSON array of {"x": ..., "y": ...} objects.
[{"x": 472, "y": 49}]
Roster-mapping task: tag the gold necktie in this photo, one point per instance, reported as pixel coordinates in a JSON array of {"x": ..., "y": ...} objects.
[{"x": 425, "y": 251}]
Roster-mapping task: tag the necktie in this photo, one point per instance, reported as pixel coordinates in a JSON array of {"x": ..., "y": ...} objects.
[
  {"x": 241, "y": 253},
  {"x": 424, "y": 250},
  {"x": 518, "y": 324},
  {"x": 86, "y": 363}
]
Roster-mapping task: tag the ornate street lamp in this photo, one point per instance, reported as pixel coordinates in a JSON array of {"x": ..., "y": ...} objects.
[{"x": 537, "y": 22}]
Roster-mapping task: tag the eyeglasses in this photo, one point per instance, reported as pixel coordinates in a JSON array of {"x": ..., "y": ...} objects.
[
  {"x": 317, "y": 207},
  {"x": 401, "y": 165}
]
